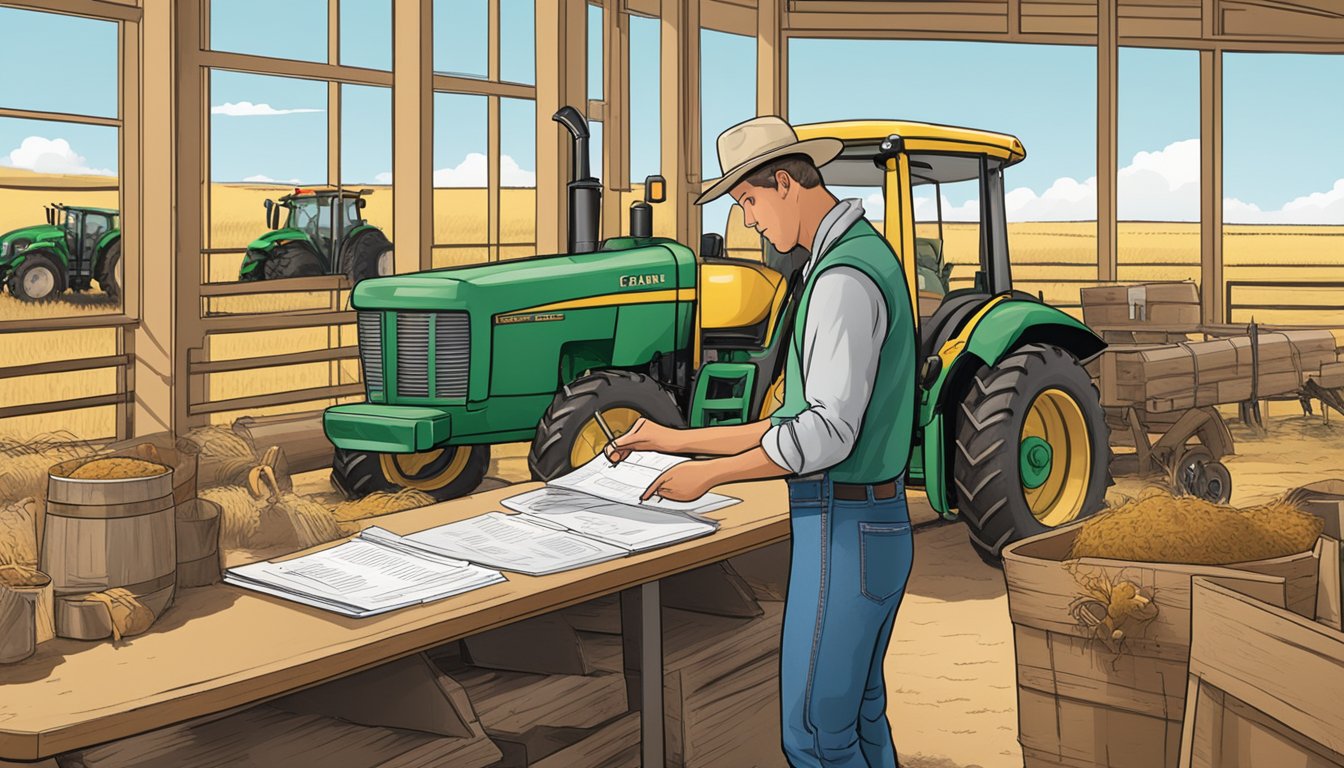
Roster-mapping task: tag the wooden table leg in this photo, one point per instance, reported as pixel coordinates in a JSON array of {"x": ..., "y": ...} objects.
[{"x": 642, "y": 646}]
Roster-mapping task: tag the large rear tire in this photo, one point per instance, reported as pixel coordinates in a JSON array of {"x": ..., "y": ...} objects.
[
  {"x": 39, "y": 278},
  {"x": 292, "y": 260},
  {"x": 369, "y": 254},
  {"x": 1032, "y": 449},
  {"x": 110, "y": 272},
  {"x": 444, "y": 473},
  {"x": 569, "y": 436}
]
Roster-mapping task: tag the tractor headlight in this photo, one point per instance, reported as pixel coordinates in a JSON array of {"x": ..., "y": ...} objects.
[{"x": 5, "y": 248}]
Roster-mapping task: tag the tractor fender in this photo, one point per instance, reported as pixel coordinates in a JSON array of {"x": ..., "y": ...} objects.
[
  {"x": 1008, "y": 325},
  {"x": 56, "y": 254},
  {"x": 107, "y": 240}
]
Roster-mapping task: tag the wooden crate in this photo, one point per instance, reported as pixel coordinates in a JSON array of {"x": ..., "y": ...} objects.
[
  {"x": 1087, "y": 700},
  {"x": 1264, "y": 685},
  {"x": 1169, "y": 305}
]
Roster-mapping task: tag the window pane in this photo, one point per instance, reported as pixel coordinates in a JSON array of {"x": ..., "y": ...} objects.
[
  {"x": 1283, "y": 199},
  {"x": 294, "y": 29},
  {"x": 645, "y": 85},
  {"x": 518, "y": 172},
  {"x": 461, "y": 211},
  {"x": 1051, "y": 197},
  {"x": 87, "y": 50},
  {"x": 366, "y": 149},
  {"x": 595, "y": 52},
  {"x": 1158, "y": 158},
  {"x": 727, "y": 90},
  {"x": 517, "y": 33},
  {"x": 461, "y": 37},
  {"x": 366, "y": 33},
  {"x": 44, "y": 162},
  {"x": 595, "y": 146},
  {"x": 267, "y": 135}
]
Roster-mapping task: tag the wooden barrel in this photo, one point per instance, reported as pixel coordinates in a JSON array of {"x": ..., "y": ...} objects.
[
  {"x": 198, "y": 543},
  {"x": 1099, "y": 689},
  {"x": 102, "y": 534},
  {"x": 24, "y": 610}
]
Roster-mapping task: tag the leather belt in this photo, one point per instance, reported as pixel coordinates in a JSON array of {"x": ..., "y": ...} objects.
[{"x": 849, "y": 492}]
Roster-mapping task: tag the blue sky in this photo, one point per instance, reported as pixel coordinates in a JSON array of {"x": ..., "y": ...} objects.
[{"x": 274, "y": 128}]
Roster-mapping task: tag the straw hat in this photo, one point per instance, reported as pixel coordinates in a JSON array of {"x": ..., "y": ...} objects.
[{"x": 751, "y": 144}]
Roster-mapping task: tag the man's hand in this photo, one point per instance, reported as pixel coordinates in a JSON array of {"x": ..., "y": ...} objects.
[
  {"x": 644, "y": 435},
  {"x": 686, "y": 481}
]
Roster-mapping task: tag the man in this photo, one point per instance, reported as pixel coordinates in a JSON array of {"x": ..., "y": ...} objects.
[{"x": 842, "y": 437}]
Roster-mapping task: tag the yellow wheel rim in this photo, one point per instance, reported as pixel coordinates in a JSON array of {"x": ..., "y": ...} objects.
[
  {"x": 1056, "y": 418},
  {"x": 426, "y": 471},
  {"x": 590, "y": 440}
]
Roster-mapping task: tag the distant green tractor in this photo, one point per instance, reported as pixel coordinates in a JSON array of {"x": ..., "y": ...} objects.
[
  {"x": 38, "y": 263},
  {"x": 324, "y": 234}
]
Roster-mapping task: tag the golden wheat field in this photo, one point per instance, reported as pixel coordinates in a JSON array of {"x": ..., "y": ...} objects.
[{"x": 1055, "y": 259}]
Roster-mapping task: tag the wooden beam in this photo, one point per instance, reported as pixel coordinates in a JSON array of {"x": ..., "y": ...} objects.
[
  {"x": 93, "y": 9},
  {"x": 561, "y": 46},
  {"x": 769, "y": 58},
  {"x": 413, "y": 133},
  {"x": 1213, "y": 309},
  {"x": 492, "y": 135},
  {"x": 275, "y": 321},
  {"x": 63, "y": 366},
  {"x": 477, "y": 86},
  {"x": 64, "y": 117},
  {"x": 285, "y": 285},
  {"x": 1108, "y": 53},
  {"x": 680, "y": 113},
  {"x": 269, "y": 361},
  {"x": 277, "y": 398},
  {"x": 60, "y": 406},
  {"x": 615, "y": 113},
  {"x": 306, "y": 70},
  {"x": 334, "y": 94},
  {"x": 41, "y": 324}
]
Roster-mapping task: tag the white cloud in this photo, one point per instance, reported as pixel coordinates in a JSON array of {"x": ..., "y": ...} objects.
[
  {"x": 383, "y": 178},
  {"x": 1316, "y": 208},
  {"x": 263, "y": 179},
  {"x": 43, "y": 155},
  {"x": 471, "y": 172},
  {"x": 248, "y": 109}
]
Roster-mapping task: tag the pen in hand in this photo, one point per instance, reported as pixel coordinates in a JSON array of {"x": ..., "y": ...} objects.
[{"x": 601, "y": 422}]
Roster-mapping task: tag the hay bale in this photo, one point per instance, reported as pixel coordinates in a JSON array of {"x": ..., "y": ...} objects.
[
  {"x": 24, "y": 464},
  {"x": 381, "y": 503},
  {"x": 18, "y": 532},
  {"x": 285, "y": 519},
  {"x": 240, "y": 515},
  {"x": 220, "y": 442},
  {"x": 1160, "y": 528},
  {"x": 117, "y": 468}
]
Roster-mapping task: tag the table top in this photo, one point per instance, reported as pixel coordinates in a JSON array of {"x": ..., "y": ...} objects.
[{"x": 222, "y": 647}]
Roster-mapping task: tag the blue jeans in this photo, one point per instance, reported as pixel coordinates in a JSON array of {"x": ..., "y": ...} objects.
[{"x": 850, "y": 563}]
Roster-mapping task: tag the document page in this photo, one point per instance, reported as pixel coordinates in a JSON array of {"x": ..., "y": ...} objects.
[
  {"x": 362, "y": 578},
  {"x": 630, "y": 527},
  {"x": 509, "y": 542},
  {"x": 628, "y": 480}
]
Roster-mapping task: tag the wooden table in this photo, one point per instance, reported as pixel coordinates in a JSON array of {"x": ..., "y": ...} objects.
[{"x": 223, "y": 647}]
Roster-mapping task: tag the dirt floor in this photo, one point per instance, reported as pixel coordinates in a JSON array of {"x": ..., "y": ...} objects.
[{"x": 950, "y": 678}]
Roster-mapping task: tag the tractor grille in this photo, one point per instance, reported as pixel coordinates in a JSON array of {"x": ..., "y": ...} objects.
[
  {"x": 370, "y": 326},
  {"x": 413, "y": 354},
  {"x": 452, "y": 354}
]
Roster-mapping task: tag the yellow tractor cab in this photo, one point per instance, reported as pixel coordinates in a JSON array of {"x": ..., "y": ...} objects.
[{"x": 996, "y": 367}]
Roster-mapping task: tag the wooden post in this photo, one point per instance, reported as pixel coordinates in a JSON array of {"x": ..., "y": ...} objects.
[
  {"x": 1211, "y": 187},
  {"x": 562, "y": 39},
  {"x": 615, "y": 113},
  {"x": 492, "y": 140},
  {"x": 1108, "y": 54},
  {"x": 769, "y": 58},
  {"x": 132, "y": 187},
  {"x": 173, "y": 148},
  {"x": 680, "y": 111},
  {"x": 413, "y": 133}
]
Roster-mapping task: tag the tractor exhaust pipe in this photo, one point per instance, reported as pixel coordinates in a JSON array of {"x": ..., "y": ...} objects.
[{"x": 585, "y": 191}]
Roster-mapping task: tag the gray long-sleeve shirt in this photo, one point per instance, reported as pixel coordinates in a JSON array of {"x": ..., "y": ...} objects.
[{"x": 843, "y": 332}]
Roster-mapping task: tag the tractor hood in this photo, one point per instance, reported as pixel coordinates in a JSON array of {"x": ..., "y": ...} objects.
[
  {"x": 33, "y": 234},
  {"x": 274, "y": 237},
  {"x": 625, "y": 267}
]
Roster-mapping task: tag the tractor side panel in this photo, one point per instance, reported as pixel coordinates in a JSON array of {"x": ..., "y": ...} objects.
[
  {"x": 642, "y": 331},
  {"x": 530, "y": 356}
]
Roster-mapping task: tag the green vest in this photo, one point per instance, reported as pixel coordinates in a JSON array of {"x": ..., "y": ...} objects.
[{"x": 882, "y": 448}]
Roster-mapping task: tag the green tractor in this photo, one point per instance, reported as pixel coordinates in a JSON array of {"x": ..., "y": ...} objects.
[
  {"x": 40, "y": 262},
  {"x": 1011, "y": 433},
  {"x": 324, "y": 234}
]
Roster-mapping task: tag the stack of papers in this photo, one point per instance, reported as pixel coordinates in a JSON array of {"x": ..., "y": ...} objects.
[{"x": 363, "y": 577}]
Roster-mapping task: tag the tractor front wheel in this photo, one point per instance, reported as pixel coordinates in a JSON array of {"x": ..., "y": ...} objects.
[
  {"x": 368, "y": 255},
  {"x": 569, "y": 436},
  {"x": 1032, "y": 449},
  {"x": 291, "y": 260},
  {"x": 444, "y": 473},
  {"x": 40, "y": 277},
  {"x": 110, "y": 272}
]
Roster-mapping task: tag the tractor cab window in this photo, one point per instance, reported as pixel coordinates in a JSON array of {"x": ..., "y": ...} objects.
[
  {"x": 95, "y": 226},
  {"x": 303, "y": 215},
  {"x": 73, "y": 221},
  {"x": 947, "y": 221},
  {"x": 351, "y": 208}
]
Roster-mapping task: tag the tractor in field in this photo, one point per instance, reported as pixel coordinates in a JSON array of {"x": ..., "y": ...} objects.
[
  {"x": 1010, "y": 431},
  {"x": 324, "y": 233},
  {"x": 75, "y": 248}
]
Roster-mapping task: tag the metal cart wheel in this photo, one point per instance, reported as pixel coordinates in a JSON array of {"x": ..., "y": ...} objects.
[{"x": 1196, "y": 473}]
